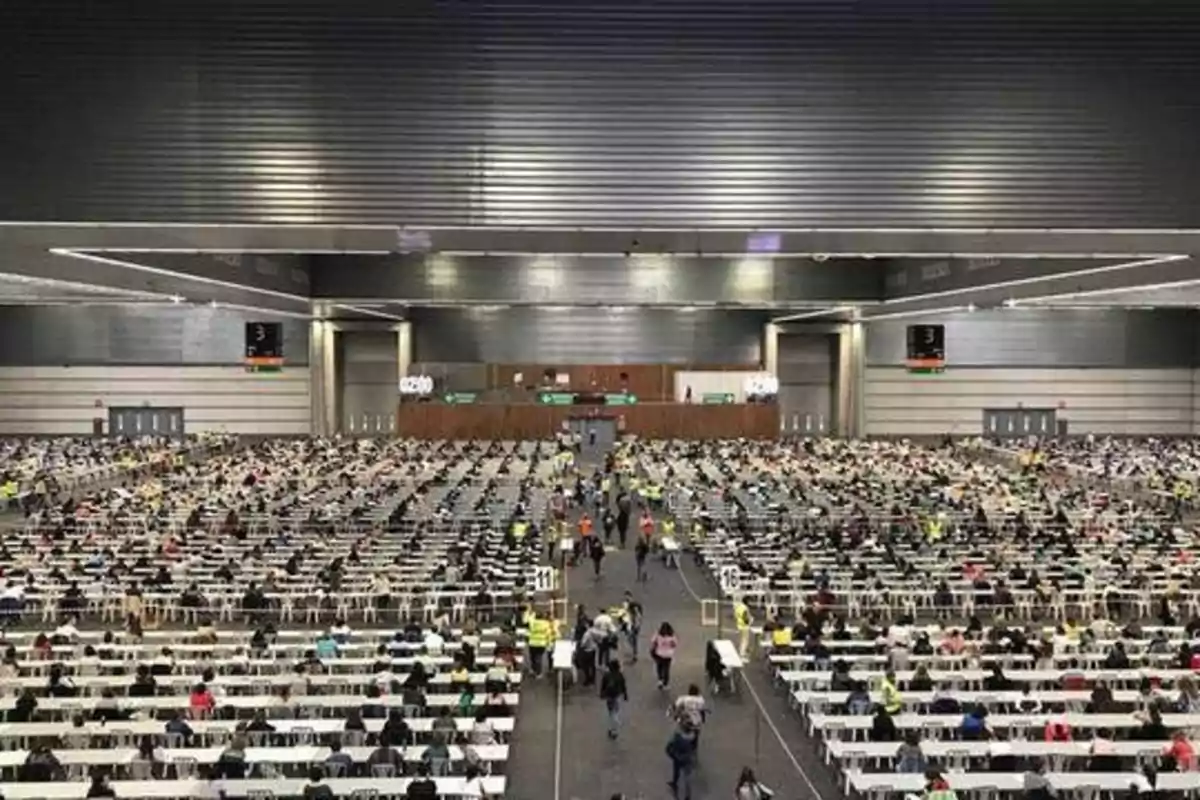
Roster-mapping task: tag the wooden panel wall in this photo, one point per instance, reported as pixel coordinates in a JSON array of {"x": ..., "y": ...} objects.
[
  {"x": 651, "y": 420},
  {"x": 650, "y": 382}
]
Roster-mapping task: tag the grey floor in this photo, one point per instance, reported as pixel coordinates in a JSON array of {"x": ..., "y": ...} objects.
[{"x": 738, "y": 733}]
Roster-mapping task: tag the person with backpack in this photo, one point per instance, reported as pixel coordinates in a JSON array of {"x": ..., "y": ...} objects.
[
  {"x": 681, "y": 749},
  {"x": 690, "y": 709},
  {"x": 612, "y": 691}
]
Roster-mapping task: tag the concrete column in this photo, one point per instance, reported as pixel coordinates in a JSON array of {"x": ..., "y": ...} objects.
[
  {"x": 850, "y": 379},
  {"x": 770, "y": 349},
  {"x": 322, "y": 371},
  {"x": 404, "y": 348}
]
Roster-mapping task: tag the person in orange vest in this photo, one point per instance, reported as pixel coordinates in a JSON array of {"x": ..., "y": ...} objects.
[{"x": 585, "y": 528}]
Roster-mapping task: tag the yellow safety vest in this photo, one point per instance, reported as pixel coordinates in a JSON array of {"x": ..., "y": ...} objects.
[
  {"x": 892, "y": 702},
  {"x": 741, "y": 616},
  {"x": 781, "y": 637},
  {"x": 519, "y": 529},
  {"x": 668, "y": 527},
  {"x": 539, "y": 632}
]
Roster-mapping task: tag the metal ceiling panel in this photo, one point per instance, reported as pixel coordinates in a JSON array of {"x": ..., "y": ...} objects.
[
  {"x": 689, "y": 113},
  {"x": 586, "y": 336}
]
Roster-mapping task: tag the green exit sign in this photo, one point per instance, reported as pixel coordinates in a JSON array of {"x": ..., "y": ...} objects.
[
  {"x": 556, "y": 398},
  {"x": 718, "y": 398},
  {"x": 458, "y": 398},
  {"x": 620, "y": 399}
]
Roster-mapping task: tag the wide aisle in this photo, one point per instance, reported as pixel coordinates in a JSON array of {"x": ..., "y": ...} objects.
[{"x": 594, "y": 767}]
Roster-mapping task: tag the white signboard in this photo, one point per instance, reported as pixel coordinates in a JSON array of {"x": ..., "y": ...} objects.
[{"x": 416, "y": 384}]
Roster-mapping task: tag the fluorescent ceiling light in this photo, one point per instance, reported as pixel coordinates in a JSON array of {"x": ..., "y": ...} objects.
[
  {"x": 927, "y": 312},
  {"x": 823, "y": 312},
  {"x": 1076, "y": 273}
]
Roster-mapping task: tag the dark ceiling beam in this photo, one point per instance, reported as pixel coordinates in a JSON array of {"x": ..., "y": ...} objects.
[{"x": 567, "y": 280}]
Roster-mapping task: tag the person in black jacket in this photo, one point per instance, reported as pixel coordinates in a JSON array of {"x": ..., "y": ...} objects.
[
  {"x": 613, "y": 691},
  {"x": 883, "y": 727},
  {"x": 23, "y": 708}
]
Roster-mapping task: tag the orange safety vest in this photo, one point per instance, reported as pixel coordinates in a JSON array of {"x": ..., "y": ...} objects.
[{"x": 585, "y": 527}]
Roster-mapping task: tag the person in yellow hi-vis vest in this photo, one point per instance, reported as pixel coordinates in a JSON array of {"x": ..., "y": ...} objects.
[
  {"x": 541, "y": 631},
  {"x": 743, "y": 620},
  {"x": 933, "y": 529},
  {"x": 890, "y": 697},
  {"x": 781, "y": 636}
]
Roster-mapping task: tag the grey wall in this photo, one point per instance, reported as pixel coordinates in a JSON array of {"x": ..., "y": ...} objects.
[
  {"x": 136, "y": 335},
  {"x": 807, "y": 374},
  {"x": 586, "y": 336},
  {"x": 368, "y": 378},
  {"x": 1056, "y": 338},
  {"x": 1105, "y": 372},
  {"x": 706, "y": 113}
]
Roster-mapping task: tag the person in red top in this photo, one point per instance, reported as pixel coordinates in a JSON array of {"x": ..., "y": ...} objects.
[
  {"x": 647, "y": 524},
  {"x": 201, "y": 702},
  {"x": 1182, "y": 752},
  {"x": 1058, "y": 730}
]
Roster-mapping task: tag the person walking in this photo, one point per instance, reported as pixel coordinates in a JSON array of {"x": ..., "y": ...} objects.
[
  {"x": 690, "y": 709},
  {"x": 681, "y": 749},
  {"x": 633, "y": 624},
  {"x": 596, "y": 552},
  {"x": 641, "y": 551},
  {"x": 662, "y": 650},
  {"x": 623, "y": 505},
  {"x": 613, "y": 691},
  {"x": 608, "y": 522}
]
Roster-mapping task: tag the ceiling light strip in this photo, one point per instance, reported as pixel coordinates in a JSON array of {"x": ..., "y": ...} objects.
[
  {"x": 1077, "y": 273},
  {"x": 72, "y": 253},
  {"x": 928, "y": 312},
  {"x": 824, "y": 312},
  {"x": 369, "y": 312}
]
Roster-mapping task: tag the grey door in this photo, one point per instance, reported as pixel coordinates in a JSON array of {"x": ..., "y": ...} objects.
[
  {"x": 146, "y": 421},
  {"x": 123, "y": 422},
  {"x": 1002, "y": 422},
  {"x": 804, "y": 423}
]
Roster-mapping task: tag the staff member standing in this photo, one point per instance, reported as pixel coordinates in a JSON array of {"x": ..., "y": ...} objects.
[
  {"x": 540, "y": 633},
  {"x": 743, "y": 620}
]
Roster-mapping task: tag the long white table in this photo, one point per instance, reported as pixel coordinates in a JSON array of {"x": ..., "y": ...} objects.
[
  {"x": 302, "y": 754},
  {"x": 853, "y": 753},
  {"x": 278, "y": 787},
  {"x": 251, "y": 702},
  {"x": 322, "y": 726},
  {"x": 857, "y": 725},
  {"x": 885, "y": 782}
]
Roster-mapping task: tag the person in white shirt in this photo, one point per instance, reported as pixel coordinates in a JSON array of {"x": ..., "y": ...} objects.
[
  {"x": 434, "y": 643},
  {"x": 473, "y": 784},
  {"x": 482, "y": 732},
  {"x": 67, "y": 630}
]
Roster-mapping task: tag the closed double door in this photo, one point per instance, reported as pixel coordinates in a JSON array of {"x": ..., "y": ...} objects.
[
  {"x": 145, "y": 421},
  {"x": 1005, "y": 422}
]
